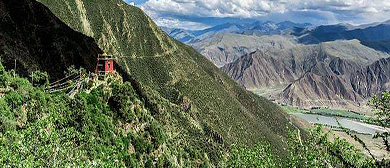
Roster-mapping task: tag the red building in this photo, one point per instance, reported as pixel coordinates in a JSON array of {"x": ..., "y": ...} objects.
[{"x": 105, "y": 64}]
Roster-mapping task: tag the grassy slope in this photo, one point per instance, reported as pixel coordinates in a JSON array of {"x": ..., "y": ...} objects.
[
  {"x": 181, "y": 75},
  {"x": 111, "y": 127}
]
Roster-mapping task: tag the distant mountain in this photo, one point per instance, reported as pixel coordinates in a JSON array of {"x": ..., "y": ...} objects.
[
  {"x": 190, "y": 37},
  {"x": 381, "y": 45},
  {"x": 371, "y": 33},
  {"x": 224, "y": 48},
  {"x": 272, "y": 28},
  {"x": 255, "y": 28},
  {"x": 291, "y": 62},
  {"x": 223, "y": 28},
  {"x": 289, "y": 25},
  {"x": 339, "y": 74},
  {"x": 185, "y": 36},
  {"x": 225, "y": 43}
]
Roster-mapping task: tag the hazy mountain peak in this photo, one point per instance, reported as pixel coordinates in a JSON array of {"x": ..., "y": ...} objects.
[{"x": 386, "y": 22}]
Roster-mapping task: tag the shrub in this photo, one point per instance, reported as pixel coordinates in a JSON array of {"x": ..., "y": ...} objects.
[{"x": 157, "y": 133}]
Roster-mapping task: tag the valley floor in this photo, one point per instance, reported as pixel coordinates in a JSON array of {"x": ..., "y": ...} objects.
[{"x": 354, "y": 122}]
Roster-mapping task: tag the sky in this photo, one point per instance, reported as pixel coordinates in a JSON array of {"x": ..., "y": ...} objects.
[{"x": 200, "y": 14}]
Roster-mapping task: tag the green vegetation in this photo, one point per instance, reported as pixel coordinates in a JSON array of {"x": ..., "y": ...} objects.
[
  {"x": 291, "y": 109},
  {"x": 327, "y": 112},
  {"x": 109, "y": 126},
  {"x": 172, "y": 108},
  {"x": 381, "y": 106},
  {"x": 316, "y": 150},
  {"x": 175, "y": 72},
  {"x": 338, "y": 112},
  {"x": 260, "y": 155}
]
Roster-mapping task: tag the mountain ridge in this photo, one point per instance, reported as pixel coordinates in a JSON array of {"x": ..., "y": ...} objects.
[
  {"x": 223, "y": 48},
  {"x": 178, "y": 73},
  {"x": 299, "y": 73},
  {"x": 254, "y": 28}
]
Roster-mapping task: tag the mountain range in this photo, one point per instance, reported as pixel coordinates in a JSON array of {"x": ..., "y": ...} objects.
[
  {"x": 339, "y": 74},
  {"x": 338, "y": 66},
  {"x": 367, "y": 33},
  {"x": 254, "y": 28}
]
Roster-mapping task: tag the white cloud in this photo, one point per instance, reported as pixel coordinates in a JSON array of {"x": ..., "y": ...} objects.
[
  {"x": 176, "y": 23},
  {"x": 353, "y": 11}
]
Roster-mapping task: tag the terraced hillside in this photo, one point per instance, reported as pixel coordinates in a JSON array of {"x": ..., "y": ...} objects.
[{"x": 175, "y": 71}]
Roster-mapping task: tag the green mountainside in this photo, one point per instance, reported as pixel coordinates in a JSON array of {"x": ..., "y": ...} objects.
[
  {"x": 175, "y": 71},
  {"x": 37, "y": 40},
  {"x": 166, "y": 106},
  {"x": 111, "y": 123},
  {"x": 197, "y": 111}
]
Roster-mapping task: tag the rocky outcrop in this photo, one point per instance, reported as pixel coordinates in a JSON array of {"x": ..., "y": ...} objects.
[
  {"x": 260, "y": 70},
  {"x": 313, "y": 90},
  {"x": 372, "y": 79},
  {"x": 37, "y": 40}
]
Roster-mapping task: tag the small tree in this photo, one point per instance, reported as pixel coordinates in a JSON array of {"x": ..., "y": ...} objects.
[
  {"x": 40, "y": 78},
  {"x": 381, "y": 106}
]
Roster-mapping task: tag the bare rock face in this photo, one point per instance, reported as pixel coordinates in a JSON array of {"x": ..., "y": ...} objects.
[
  {"x": 224, "y": 48},
  {"x": 33, "y": 36},
  {"x": 260, "y": 70},
  {"x": 372, "y": 79},
  {"x": 321, "y": 91},
  {"x": 333, "y": 74}
]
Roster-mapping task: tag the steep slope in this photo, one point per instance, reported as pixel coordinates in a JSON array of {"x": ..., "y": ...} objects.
[
  {"x": 109, "y": 123},
  {"x": 314, "y": 75},
  {"x": 372, "y": 79},
  {"x": 175, "y": 71},
  {"x": 172, "y": 110},
  {"x": 37, "y": 40},
  {"x": 350, "y": 90},
  {"x": 224, "y": 48},
  {"x": 381, "y": 45}
]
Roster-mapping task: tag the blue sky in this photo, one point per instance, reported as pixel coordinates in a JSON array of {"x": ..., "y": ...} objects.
[{"x": 198, "y": 14}]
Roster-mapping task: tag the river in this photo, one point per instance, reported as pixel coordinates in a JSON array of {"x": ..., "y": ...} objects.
[{"x": 346, "y": 123}]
